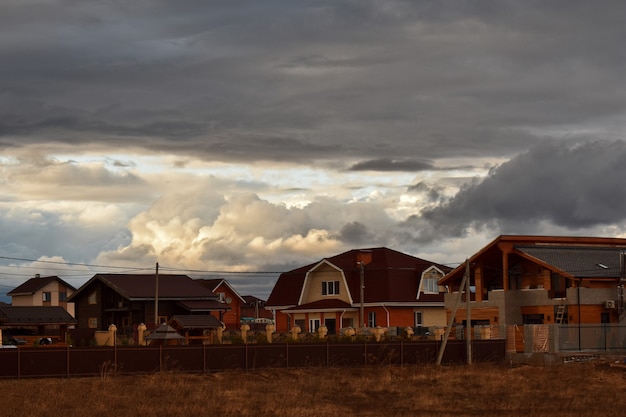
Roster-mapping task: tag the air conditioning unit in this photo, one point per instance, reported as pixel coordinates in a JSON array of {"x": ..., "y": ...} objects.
[{"x": 609, "y": 304}]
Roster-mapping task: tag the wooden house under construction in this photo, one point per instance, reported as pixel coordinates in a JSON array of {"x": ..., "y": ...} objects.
[{"x": 518, "y": 280}]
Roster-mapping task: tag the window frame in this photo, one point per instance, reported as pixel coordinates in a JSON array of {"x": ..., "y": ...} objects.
[
  {"x": 418, "y": 318},
  {"x": 46, "y": 296},
  {"x": 371, "y": 319},
  {"x": 314, "y": 325},
  {"x": 430, "y": 286},
  {"x": 331, "y": 287}
]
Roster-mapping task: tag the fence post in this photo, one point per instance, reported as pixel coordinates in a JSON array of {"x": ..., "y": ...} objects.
[
  {"x": 365, "y": 352},
  {"x": 327, "y": 355},
  {"x": 287, "y": 355},
  {"x": 246, "y": 353}
]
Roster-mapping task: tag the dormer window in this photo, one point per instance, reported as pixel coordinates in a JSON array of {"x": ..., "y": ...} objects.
[
  {"x": 429, "y": 283},
  {"x": 429, "y": 286},
  {"x": 330, "y": 287}
]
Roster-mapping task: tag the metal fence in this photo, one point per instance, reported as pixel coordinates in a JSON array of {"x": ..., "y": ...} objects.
[{"x": 26, "y": 362}]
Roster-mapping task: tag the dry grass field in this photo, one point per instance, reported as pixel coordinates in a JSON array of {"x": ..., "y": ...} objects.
[{"x": 576, "y": 389}]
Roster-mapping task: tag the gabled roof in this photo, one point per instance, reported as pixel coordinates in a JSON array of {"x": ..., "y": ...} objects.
[
  {"x": 35, "y": 284},
  {"x": 214, "y": 285},
  {"x": 196, "y": 321},
  {"x": 249, "y": 308},
  {"x": 572, "y": 256},
  {"x": 34, "y": 315},
  {"x": 203, "y": 305},
  {"x": 576, "y": 261},
  {"x": 390, "y": 277},
  {"x": 143, "y": 287},
  {"x": 164, "y": 332},
  {"x": 331, "y": 305}
]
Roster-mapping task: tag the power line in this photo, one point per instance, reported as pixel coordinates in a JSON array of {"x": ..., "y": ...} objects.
[{"x": 66, "y": 263}]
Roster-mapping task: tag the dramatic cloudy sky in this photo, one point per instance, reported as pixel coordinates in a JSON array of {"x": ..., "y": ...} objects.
[{"x": 258, "y": 136}]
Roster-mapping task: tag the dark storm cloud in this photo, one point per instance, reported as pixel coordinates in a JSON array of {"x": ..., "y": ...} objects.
[
  {"x": 434, "y": 193},
  {"x": 384, "y": 164},
  {"x": 299, "y": 80},
  {"x": 575, "y": 186},
  {"x": 356, "y": 234}
]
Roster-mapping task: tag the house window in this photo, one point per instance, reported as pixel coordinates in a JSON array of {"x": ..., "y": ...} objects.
[
  {"x": 300, "y": 324},
  {"x": 430, "y": 286},
  {"x": 347, "y": 322},
  {"x": 371, "y": 319},
  {"x": 221, "y": 296},
  {"x": 92, "y": 298},
  {"x": 314, "y": 324},
  {"x": 330, "y": 287},
  {"x": 417, "y": 318},
  {"x": 92, "y": 322},
  {"x": 46, "y": 296},
  {"x": 63, "y": 296},
  {"x": 162, "y": 319}
]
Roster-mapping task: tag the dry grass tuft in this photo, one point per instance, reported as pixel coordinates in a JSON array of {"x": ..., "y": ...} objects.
[{"x": 561, "y": 390}]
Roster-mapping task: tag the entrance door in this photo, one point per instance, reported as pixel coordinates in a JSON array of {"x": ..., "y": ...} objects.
[
  {"x": 331, "y": 324},
  {"x": 314, "y": 324}
]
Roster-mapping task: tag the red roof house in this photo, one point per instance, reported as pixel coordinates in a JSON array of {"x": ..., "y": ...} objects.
[
  {"x": 230, "y": 299},
  {"x": 399, "y": 290}
]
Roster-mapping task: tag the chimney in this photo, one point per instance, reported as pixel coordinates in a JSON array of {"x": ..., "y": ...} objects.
[{"x": 37, "y": 276}]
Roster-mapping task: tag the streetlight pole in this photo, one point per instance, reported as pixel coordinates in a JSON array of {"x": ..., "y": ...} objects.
[{"x": 362, "y": 295}]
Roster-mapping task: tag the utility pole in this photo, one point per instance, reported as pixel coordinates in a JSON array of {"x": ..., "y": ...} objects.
[
  {"x": 462, "y": 287},
  {"x": 156, "y": 296},
  {"x": 362, "y": 295},
  {"x": 468, "y": 314},
  {"x": 622, "y": 283}
]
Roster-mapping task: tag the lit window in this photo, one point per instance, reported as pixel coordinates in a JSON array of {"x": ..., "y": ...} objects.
[
  {"x": 92, "y": 298},
  {"x": 92, "y": 322}
]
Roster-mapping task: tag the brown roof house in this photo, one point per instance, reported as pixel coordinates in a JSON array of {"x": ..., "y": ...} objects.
[
  {"x": 126, "y": 300},
  {"x": 229, "y": 297},
  {"x": 22, "y": 323},
  {"x": 542, "y": 280},
  {"x": 370, "y": 287},
  {"x": 43, "y": 291}
]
